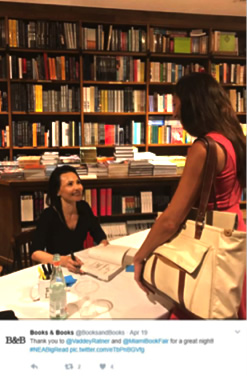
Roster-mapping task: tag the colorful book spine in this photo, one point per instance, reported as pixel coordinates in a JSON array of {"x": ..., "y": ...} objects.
[
  {"x": 94, "y": 201},
  {"x": 103, "y": 201},
  {"x": 108, "y": 201}
]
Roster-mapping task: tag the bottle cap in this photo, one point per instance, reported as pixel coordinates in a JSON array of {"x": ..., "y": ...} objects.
[{"x": 56, "y": 259}]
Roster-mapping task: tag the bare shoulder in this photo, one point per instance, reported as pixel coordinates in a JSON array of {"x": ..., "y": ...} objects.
[
  {"x": 196, "y": 154},
  {"x": 198, "y": 149}
]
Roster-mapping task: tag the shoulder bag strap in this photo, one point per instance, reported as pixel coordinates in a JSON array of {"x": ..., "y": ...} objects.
[{"x": 208, "y": 179}]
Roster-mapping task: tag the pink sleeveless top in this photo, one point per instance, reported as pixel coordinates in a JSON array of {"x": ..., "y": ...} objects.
[
  {"x": 228, "y": 190},
  {"x": 228, "y": 195}
]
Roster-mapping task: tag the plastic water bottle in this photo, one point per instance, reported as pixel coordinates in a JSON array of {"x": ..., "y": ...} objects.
[{"x": 58, "y": 298}]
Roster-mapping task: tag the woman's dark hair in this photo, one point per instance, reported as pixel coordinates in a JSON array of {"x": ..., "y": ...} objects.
[
  {"x": 54, "y": 185},
  {"x": 206, "y": 107}
]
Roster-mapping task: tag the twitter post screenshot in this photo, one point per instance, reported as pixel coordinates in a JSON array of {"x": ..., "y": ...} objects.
[
  {"x": 123, "y": 188},
  {"x": 54, "y": 320}
]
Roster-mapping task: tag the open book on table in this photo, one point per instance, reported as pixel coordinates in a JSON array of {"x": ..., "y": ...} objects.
[{"x": 104, "y": 262}]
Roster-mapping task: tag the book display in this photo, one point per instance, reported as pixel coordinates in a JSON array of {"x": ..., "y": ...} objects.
[{"x": 86, "y": 78}]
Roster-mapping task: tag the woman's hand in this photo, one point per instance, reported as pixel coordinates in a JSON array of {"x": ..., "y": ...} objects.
[
  {"x": 104, "y": 242},
  {"x": 138, "y": 265},
  {"x": 71, "y": 265}
]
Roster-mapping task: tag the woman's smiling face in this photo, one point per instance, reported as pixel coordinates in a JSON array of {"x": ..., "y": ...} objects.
[{"x": 70, "y": 187}]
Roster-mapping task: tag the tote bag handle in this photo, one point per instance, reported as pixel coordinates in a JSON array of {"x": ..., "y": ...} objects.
[{"x": 209, "y": 175}]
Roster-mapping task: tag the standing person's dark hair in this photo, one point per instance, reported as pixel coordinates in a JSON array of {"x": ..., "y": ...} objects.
[
  {"x": 54, "y": 185},
  {"x": 206, "y": 107}
]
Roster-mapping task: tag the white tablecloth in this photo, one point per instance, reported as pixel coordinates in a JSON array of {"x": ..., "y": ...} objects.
[{"x": 128, "y": 301}]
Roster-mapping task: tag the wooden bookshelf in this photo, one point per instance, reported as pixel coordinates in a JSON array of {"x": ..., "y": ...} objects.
[{"x": 68, "y": 34}]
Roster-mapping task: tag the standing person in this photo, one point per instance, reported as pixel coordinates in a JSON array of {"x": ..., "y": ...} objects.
[
  {"x": 204, "y": 109},
  {"x": 63, "y": 226}
]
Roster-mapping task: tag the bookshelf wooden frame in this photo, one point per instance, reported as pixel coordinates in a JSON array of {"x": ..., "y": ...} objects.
[{"x": 84, "y": 16}]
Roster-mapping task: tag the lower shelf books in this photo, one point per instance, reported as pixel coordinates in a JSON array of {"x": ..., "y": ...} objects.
[{"x": 104, "y": 262}]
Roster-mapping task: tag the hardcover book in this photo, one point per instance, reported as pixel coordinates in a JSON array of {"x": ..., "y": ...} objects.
[{"x": 105, "y": 262}]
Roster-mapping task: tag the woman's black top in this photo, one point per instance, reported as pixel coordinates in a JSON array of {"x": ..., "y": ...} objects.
[{"x": 54, "y": 236}]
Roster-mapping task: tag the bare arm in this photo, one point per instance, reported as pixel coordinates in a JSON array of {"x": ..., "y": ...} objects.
[
  {"x": 170, "y": 220},
  {"x": 66, "y": 261}
]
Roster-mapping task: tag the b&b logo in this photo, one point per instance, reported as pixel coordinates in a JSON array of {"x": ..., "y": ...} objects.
[{"x": 15, "y": 340}]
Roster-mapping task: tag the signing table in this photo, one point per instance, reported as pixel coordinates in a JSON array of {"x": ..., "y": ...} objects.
[{"x": 127, "y": 300}]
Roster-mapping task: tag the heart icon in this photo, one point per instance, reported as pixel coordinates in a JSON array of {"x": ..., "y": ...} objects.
[{"x": 102, "y": 366}]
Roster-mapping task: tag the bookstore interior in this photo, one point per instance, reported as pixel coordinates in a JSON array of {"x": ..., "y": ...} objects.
[{"x": 93, "y": 88}]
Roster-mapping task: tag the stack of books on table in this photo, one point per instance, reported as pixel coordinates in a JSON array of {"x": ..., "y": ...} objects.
[
  {"x": 32, "y": 168},
  {"x": 72, "y": 160},
  {"x": 180, "y": 161},
  {"x": 163, "y": 166},
  {"x": 141, "y": 167},
  {"x": 28, "y": 160},
  {"x": 50, "y": 160},
  {"x": 117, "y": 168},
  {"x": 124, "y": 152},
  {"x": 98, "y": 169},
  {"x": 31, "y": 173},
  {"x": 81, "y": 170},
  {"x": 10, "y": 170}
]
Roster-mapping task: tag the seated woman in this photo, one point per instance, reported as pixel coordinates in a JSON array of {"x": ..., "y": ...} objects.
[{"x": 63, "y": 226}]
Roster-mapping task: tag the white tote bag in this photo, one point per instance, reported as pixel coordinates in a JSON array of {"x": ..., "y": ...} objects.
[{"x": 202, "y": 269}]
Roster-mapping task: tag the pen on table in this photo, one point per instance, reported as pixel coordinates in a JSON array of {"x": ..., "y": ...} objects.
[
  {"x": 74, "y": 259},
  {"x": 49, "y": 268},
  {"x": 46, "y": 271}
]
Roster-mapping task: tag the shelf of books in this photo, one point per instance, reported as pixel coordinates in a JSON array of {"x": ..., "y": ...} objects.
[{"x": 85, "y": 81}]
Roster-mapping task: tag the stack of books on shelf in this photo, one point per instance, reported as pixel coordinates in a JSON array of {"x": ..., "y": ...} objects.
[
  {"x": 98, "y": 169},
  {"x": 179, "y": 160},
  {"x": 141, "y": 167},
  {"x": 32, "y": 168},
  {"x": 28, "y": 161},
  {"x": 124, "y": 152},
  {"x": 10, "y": 170},
  {"x": 81, "y": 170},
  {"x": 116, "y": 168},
  {"x": 144, "y": 155},
  {"x": 72, "y": 160},
  {"x": 34, "y": 173},
  {"x": 163, "y": 166},
  {"x": 50, "y": 160}
]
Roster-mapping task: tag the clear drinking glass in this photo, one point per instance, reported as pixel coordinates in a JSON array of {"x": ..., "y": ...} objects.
[{"x": 91, "y": 308}]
